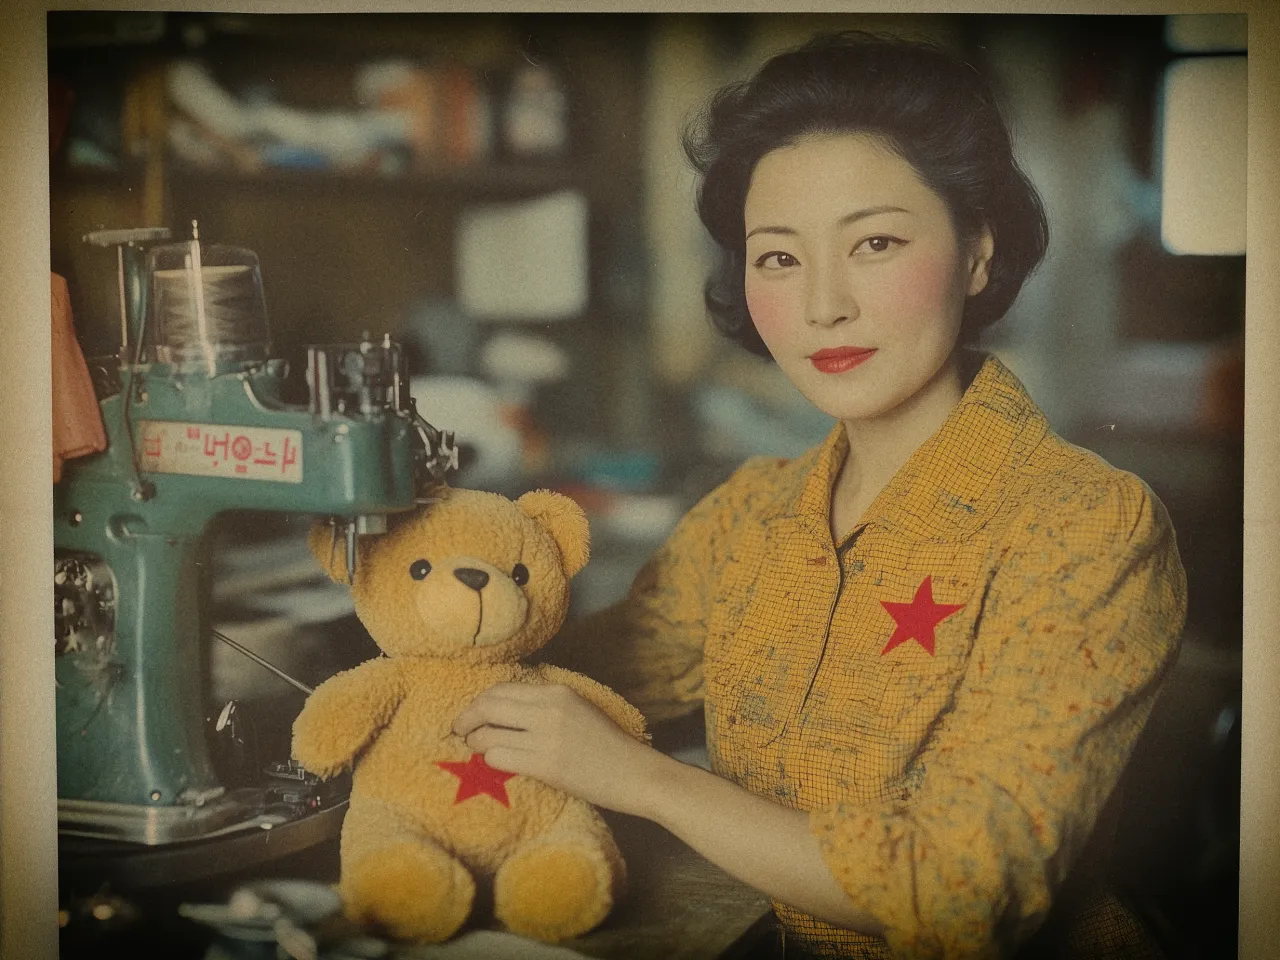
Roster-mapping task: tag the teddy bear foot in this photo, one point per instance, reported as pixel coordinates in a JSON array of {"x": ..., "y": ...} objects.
[
  {"x": 553, "y": 892},
  {"x": 412, "y": 891}
]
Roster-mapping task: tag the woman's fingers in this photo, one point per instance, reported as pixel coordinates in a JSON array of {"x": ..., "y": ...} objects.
[
  {"x": 519, "y": 705},
  {"x": 513, "y": 751},
  {"x": 485, "y": 738},
  {"x": 517, "y": 692},
  {"x": 551, "y": 733},
  {"x": 510, "y": 760},
  {"x": 503, "y": 705}
]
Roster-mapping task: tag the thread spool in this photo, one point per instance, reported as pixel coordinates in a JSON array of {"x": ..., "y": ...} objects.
[{"x": 207, "y": 310}]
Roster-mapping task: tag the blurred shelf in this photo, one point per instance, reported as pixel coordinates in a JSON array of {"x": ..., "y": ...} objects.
[
  {"x": 104, "y": 28},
  {"x": 498, "y": 178},
  {"x": 479, "y": 179},
  {"x": 351, "y": 249},
  {"x": 478, "y": 37},
  {"x": 124, "y": 174}
]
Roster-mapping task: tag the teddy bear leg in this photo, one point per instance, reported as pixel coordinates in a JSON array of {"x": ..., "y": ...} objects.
[
  {"x": 398, "y": 880},
  {"x": 563, "y": 882}
]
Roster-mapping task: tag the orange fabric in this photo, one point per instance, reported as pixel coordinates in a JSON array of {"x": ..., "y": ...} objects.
[
  {"x": 77, "y": 422},
  {"x": 952, "y": 690}
]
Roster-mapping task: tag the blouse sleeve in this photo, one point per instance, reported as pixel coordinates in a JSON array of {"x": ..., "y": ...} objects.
[
  {"x": 1079, "y": 624},
  {"x": 648, "y": 646}
]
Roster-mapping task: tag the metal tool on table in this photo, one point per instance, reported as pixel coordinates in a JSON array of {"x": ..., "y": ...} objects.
[{"x": 197, "y": 425}]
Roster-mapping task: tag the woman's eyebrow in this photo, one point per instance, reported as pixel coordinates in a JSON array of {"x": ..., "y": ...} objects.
[
  {"x": 862, "y": 214},
  {"x": 844, "y": 221},
  {"x": 786, "y": 231}
]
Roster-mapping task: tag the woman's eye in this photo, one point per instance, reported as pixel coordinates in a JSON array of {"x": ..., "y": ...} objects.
[
  {"x": 520, "y": 574},
  {"x": 775, "y": 260},
  {"x": 419, "y": 569},
  {"x": 877, "y": 244}
]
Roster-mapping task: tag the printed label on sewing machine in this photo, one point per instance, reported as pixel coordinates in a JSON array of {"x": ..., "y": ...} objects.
[{"x": 217, "y": 450}]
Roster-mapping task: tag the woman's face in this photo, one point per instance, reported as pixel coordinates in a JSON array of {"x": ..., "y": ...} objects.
[{"x": 855, "y": 277}]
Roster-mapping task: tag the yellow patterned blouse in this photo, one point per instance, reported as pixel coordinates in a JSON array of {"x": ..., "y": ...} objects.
[{"x": 952, "y": 690}]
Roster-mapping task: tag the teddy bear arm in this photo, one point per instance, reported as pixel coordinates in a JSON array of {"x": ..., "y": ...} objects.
[
  {"x": 344, "y": 715},
  {"x": 610, "y": 703}
]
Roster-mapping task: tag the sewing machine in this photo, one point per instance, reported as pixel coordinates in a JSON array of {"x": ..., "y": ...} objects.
[{"x": 196, "y": 425}]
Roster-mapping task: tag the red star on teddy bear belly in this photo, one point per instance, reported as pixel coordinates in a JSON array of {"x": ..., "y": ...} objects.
[
  {"x": 476, "y": 777},
  {"x": 917, "y": 619}
]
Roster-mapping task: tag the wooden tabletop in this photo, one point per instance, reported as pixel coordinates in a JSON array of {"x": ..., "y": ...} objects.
[{"x": 679, "y": 906}]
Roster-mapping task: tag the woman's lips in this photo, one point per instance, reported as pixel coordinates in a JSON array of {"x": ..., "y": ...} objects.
[{"x": 840, "y": 359}]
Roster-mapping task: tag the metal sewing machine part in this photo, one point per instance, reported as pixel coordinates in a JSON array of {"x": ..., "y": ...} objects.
[{"x": 196, "y": 425}]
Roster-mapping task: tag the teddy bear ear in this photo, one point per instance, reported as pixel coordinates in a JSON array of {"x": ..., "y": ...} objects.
[{"x": 565, "y": 521}]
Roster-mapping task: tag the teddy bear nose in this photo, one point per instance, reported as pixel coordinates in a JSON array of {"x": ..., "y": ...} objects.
[{"x": 475, "y": 579}]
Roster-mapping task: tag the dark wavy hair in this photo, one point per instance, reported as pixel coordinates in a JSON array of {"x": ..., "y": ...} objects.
[{"x": 935, "y": 111}]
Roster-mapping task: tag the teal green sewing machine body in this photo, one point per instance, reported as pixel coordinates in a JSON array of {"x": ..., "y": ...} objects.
[{"x": 187, "y": 440}]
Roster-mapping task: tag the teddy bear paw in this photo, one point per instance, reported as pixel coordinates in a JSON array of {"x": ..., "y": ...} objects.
[
  {"x": 411, "y": 891},
  {"x": 552, "y": 892}
]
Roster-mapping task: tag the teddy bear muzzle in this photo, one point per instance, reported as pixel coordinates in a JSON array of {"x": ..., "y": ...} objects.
[{"x": 469, "y": 602}]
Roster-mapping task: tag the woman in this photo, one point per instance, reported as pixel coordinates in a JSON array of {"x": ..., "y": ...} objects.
[{"x": 925, "y": 648}]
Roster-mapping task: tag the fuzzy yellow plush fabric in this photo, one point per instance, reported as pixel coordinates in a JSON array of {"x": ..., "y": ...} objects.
[
  {"x": 951, "y": 691},
  {"x": 455, "y": 594}
]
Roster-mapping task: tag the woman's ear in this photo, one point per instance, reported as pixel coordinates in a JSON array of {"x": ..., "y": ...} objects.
[{"x": 981, "y": 249}]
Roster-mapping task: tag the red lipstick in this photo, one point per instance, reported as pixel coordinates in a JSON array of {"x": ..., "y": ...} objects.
[{"x": 840, "y": 359}]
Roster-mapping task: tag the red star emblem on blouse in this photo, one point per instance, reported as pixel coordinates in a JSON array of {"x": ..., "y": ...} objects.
[
  {"x": 476, "y": 777},
  {"x": 917, "y": 619}
]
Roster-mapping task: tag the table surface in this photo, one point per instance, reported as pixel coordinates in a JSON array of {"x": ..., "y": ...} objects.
[{"x": 678, "y": 906}]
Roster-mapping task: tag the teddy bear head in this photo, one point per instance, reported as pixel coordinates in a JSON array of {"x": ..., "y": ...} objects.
[{"x": 471, "y": 576}]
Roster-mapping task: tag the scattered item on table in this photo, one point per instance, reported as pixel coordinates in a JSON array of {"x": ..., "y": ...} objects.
[
  {"x": 488, "y": 945},
  {"x": 303, "y": 917}
]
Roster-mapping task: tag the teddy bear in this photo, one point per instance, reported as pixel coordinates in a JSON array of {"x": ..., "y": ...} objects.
[{"x": 455, "y": 594}]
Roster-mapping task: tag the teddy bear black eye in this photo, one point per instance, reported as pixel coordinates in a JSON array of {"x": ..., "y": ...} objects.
[
  {"x": 419, "y": 569},
  {"x": 520, "y": 574}
]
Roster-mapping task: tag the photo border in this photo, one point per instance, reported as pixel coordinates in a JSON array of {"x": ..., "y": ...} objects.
[{"x": 28, "y": 820}]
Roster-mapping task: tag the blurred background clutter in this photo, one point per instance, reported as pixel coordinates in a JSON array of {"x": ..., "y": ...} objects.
[{"x": 506, "y": 194}]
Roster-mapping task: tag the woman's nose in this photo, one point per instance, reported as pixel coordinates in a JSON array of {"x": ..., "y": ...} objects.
[{"x": 831, "y": 297}]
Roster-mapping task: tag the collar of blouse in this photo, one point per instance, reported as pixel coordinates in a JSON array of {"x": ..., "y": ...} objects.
[{"x": 952, "y": 483}]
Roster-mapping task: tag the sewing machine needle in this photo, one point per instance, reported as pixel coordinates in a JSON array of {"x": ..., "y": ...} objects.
[
  {"x": 352, "y": 533},
  {"x": 297, "y": 684}
]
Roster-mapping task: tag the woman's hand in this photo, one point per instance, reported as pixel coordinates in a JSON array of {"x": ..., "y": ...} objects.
[{"x": 551, "y": 733}]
